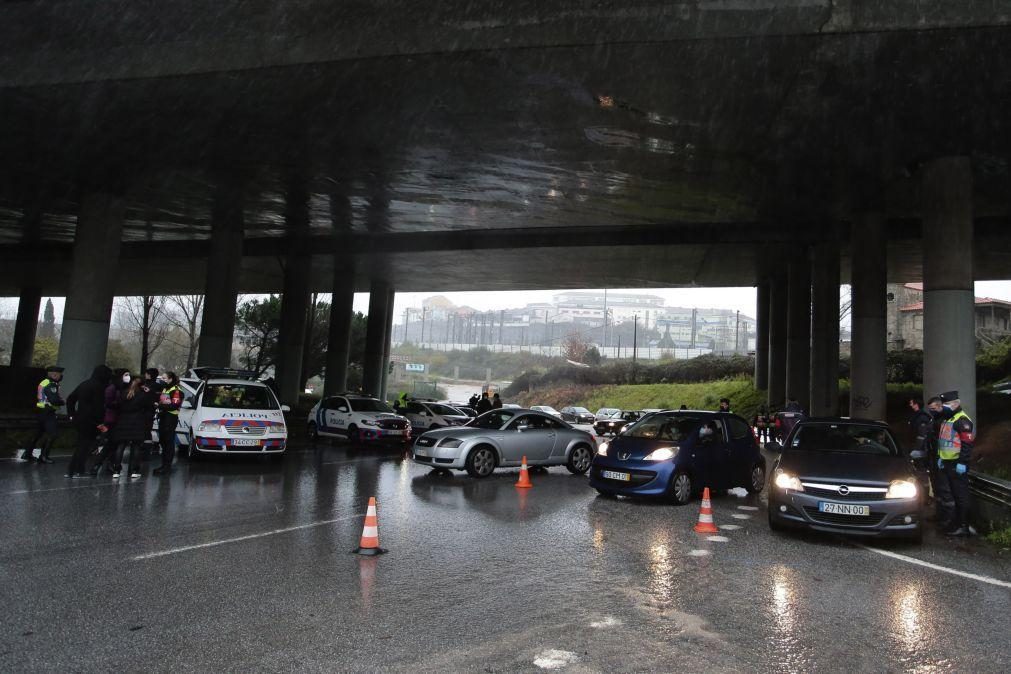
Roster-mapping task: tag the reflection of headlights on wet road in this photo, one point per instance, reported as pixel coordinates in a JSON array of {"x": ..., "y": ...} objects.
[
  {"x": 901, "y": 489},
  {"x": 450, "y": 443},
  {"x": 602, "y": 450},
  {"x": 662, "y": 454},
  {"x": 787, "y": 481}
]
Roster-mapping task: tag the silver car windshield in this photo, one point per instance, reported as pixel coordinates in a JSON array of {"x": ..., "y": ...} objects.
[
  {"x": 852, "y": 438},
  {"x": 495, "y": 419}
]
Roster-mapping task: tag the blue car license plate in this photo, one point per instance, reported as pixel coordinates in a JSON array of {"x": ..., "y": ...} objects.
[
  {"x": 844, "y": 509},
  {"x": 612, "y": 475}
]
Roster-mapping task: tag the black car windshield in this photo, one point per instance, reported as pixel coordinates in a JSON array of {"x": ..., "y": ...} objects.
[
  {"x": 580, "y": 410},
  {"x": 368, "y": 405},
  {"x": 239, "y": 396},
  {"x": 673, "y": 428},
  {"x": 838, "y": 437},
  {"x": 494, "y": 420}
]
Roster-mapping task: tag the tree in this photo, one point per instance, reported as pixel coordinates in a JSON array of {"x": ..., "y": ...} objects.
[
  {"x": 575, "y": 347},
  {"x": 46, "y": 350},
  {"x": 117, "y": 355},
  {"x": 592, "y": 356},
  {"x": 144, "y": 317},
  {"x": 48, "y": 328},
  {"x": 185, "y": 312},
  {"x": 258, "y": 324}
]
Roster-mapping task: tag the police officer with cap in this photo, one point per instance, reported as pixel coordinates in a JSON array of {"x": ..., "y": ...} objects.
[
  {"x": 47, "y": 401},
  {"x": 954, "y": 452}
]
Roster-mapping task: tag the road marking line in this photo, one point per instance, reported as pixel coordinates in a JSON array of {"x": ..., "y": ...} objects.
[
  {"x": 937, "y": 567},
  {"x": 738, "y": 516},
  {"x": 698, "y": 553},
  {"x": 747, "y": 507},
  {"x": 717, "y": 539},
  {"x": 80, "y": 486},
  {"x": 730, "y": 527},
  {"x": 187, "y": 548},
  {"x": 606, "y": 622}
]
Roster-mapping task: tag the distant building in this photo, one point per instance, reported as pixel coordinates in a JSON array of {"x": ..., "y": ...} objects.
[
  {"x": 905, "y": 317},
  {"x": 588, "y": 306}
]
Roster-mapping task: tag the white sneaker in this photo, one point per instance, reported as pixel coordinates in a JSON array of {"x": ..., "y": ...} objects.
[
  {"x": 115, "y": 476},
  {"x": 134, "y": 476}
]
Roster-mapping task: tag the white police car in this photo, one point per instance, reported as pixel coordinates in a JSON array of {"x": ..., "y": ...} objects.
[
  {"x": 358, "y": 418},
  {"x": 229, "y": 412},
  {"x": 426, "y": 415}
]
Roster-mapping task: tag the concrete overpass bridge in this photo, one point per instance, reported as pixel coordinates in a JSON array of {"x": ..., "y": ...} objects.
[{"x": 292, "y": 147}]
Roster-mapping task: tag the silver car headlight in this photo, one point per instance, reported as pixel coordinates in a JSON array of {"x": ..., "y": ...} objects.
[
  {"x": 662, "y": 454},
  {"x": 786, "y": 481},
  {"x": 901, "y": 489},
  {"x": 211, "y": 427},
  {"x": 602, "y": 449},
  {"x": 450, "y": 443}
]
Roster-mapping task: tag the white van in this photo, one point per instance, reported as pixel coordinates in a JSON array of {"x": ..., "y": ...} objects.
[{"x": 231, "y": 415}]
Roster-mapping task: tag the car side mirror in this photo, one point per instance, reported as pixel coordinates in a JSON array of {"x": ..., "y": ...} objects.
[
  {"x": 187, "y": 405},
  {"x": 774, "y": 446},
  {"x": 342, "y": 409},
  {"x": 285, "y": 408}
]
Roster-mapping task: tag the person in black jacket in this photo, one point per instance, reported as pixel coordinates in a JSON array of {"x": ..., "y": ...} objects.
[
  {"x": 86, "y": 409},
  {"x": 136, "y": 406},
  {"x": 484, "y": 404}
]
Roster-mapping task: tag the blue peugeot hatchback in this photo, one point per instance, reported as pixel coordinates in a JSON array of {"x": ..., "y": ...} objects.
[{"x": 676, "y": 454}]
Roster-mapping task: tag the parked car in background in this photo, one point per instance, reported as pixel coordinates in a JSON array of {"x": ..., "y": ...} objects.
[
  {"x": 613, "y": 424},
  {"x": 676, "y": 454},
  {"x": 462, "y": 407},
  {"x": 358, "y": 418},
  {"x": 847, "y": 476},
  {"x": 428, "y": 415},
  {"x": 547, "y": 409},
  {"x": 501, "y": 438},
  {"x": 577, "y": 415}
]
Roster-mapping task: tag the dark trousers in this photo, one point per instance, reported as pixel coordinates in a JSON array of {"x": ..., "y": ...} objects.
[
  {"x": 953, "y": 494},
  {"x": 47, "y": 433},
  {"x": 167, "y": 437},
  {"x": 86, "y": 437},
  {"x": 136, "y": 448}
]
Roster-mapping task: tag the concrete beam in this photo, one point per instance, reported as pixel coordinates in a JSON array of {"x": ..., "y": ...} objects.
[
  {"x": 777, "y": 340},
  {"x": 798, "y": 328},
  {"x": 387, "y": 343},
  {"x": 870, "y": 333},
  {"x": 375, "y": 334},
  {"x": 294, "y": 298},
  {"x": 762, "y": 336},
  {"x": 949, "y": 320},
  {"x": 824, "y": 330},
  {"x": 85, "y": 334},
  {"x": 341, "y": 314},
  {"x": 25, "y": 327},
  {"x": 224, "y": 267}
]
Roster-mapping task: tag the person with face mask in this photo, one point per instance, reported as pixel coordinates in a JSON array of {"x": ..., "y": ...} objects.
[
  {"x": 955, "y": 441},
  {"x": 707, "y": 433},
  {"x": 724, "y": 405},
  {"x": 120, "y": 379},
  {"x": 86, "y": 407},
  {"x": 47, "y": 401},
  {"x": 169, "y": 402},
  {"x": 136, "y": 404}
]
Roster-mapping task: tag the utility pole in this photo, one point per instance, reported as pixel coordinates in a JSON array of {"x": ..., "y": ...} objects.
[
  {"x": 423, "y": 310},
  {"x": 501, "y": 325},
  {"x": 407, "y": 319},
  {"x": 737, "y": 333},
  {"x": 635, "y": 341},
  {"x": 603, "y": 337},
  {"x": 694, "y": 321}
]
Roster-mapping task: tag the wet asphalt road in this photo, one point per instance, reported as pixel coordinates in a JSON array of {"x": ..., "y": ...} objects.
[{"x": 245, "y": 565}]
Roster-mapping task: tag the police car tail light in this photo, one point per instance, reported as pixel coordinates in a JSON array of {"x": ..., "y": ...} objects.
[{"x": 901, "y": 489}]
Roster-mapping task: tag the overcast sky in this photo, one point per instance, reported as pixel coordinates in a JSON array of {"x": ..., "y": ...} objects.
[{"x": 740, "y": 299}]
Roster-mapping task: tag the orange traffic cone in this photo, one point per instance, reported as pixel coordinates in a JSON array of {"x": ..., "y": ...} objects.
[
  {"x": 706, "y": 524},
  {"x": 524, "y": 481},
  {"x": 369, "y": 544}
]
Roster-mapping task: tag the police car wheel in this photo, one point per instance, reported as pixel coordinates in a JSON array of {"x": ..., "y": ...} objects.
[{"x": 353, "y": 435}]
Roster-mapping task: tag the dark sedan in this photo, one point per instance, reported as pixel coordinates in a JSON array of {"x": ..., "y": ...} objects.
[
  {"x": 676, "y": 454},
  {"x": 845, "y": 476},
  {"x": 577, "y": 415},
  {"x": 615, "y": 422}
]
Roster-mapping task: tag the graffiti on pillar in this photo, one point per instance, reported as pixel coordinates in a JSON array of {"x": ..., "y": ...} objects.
[{"x": 862, "y": 402}]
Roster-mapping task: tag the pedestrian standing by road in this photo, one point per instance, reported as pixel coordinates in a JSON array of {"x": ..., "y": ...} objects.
[
  {"x": 121, "y": 378},
  {"x": 724, "y": 405},
  {"x": 86, "y": 409},
  {"x": 47, "y": 401},
  {"x": 496, "y": 403},
  {"x": 922, "y": 425},
  {"x": 955, "y": 443},
  {"x": 136, "y": 406},
  {"x": 153, "y": 386},
  {"x": 169, "y": 402},
  {"x": 483, "y": 405},
  {"x": 472, "y": 403}
]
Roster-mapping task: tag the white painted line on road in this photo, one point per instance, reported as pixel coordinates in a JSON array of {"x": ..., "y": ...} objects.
[
  {"x": 717, "y": 539},
  {"x": 606, "y": 622},
  {"x": 187, "y": 548},
  {"x": 937, "y": 567},
  {"x": 555, "y": 659},
  {"x": 79, "y": 486},
  {"x": 698, "y": 553},
  {"x": 739, "y": 516},
  {"x": 747, "y": 507},
  {"x": 730, "y": 527}
]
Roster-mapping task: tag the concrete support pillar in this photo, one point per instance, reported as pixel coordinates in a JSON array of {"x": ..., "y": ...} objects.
[
  {"x": 798, "y": 328},
  {"x": 341, "y": 314},
  {"x": 824, "y": 330},
  {"x": 295, "y": 298},
  {"x": 85, "y": 332},
  {"x": 949, "y": 321},
  {"x": 762, "y": 337},
  {"x": 375, "y": 334},
  {"x": 25, "y": 327},
  {"x": 387, "y": 343},
  {"x": 777, "y": 340},
  {"x": 868, "y": 276},
  {"x": 224, "y": 266}
]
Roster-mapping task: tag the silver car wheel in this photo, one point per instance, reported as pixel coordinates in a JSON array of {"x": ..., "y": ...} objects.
[
  {"x": 580, "y": 460},
  {"x": 483, "y": 462},
  {"x": 682, "y": 488}
]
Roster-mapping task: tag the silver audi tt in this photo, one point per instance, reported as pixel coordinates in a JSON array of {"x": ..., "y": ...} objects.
[{"x": 501, "y": 438}]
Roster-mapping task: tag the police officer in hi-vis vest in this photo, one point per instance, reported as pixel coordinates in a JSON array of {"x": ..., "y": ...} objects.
[
  {"x": 47, "y": 401},
  {"x": 955, "y": 440},
  {"x": 169, "y": 401}
]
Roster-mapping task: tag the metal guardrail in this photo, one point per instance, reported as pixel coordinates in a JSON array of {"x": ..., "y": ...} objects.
[{"x": 991, "y": 489}]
